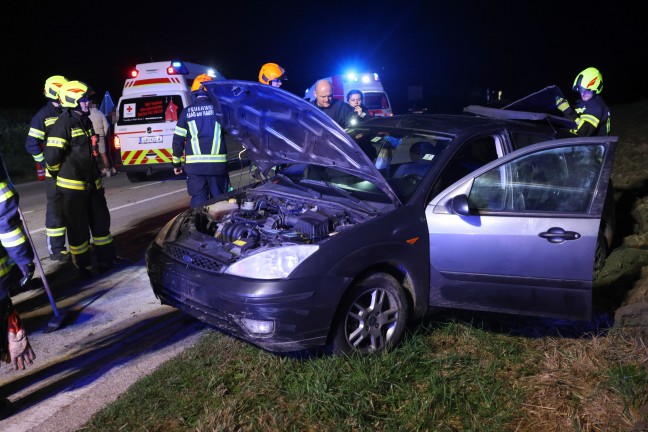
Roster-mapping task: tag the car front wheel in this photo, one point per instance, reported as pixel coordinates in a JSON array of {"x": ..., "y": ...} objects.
[{"x": 372, "y": 318}]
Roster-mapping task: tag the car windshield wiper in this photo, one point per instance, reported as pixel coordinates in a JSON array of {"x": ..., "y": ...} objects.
[{"x": 287, "y": 179}]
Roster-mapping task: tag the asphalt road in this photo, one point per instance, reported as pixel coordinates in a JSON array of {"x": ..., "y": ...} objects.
[{"x": 110, "y": 329}]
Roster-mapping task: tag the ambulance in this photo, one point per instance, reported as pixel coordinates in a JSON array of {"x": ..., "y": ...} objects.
[
  {"x": 375, "y": 97},
  {"x": 147, "y": 112}
]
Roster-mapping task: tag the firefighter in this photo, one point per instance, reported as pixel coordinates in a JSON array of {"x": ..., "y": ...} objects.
[
  {"x": 591, "y": 113},
  {"x": 272, "y": 74},
  {"x": 200, "y": 138},
  {"x": 70, "y": 158},
  {"x": 16, "y": 268},
  {"x": 41, "y": 124}
]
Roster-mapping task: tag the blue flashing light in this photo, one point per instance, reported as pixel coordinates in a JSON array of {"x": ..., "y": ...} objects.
[{"x": 176, "y": 68}]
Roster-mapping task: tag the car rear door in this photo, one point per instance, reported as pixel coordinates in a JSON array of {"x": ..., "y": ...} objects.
[{"x": 519, "y": 234}]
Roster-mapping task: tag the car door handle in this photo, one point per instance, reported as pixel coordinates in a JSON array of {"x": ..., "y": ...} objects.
[{"x": 559, "y": 235}]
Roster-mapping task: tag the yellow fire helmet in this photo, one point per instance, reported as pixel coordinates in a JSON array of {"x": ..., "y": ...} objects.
[
  {"x": 71, "y": 92},
  {"x": 197, "y": 83},
  {"x": 270, "y": 72},
  {"x": 589, "y": 79},
  {"x": 53, "y": 85}
]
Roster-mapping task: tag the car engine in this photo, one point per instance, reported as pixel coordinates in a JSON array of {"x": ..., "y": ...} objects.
[{"x": 268, "y": 220}]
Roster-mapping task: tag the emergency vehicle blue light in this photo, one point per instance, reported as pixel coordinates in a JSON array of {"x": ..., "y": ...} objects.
[
  {"x": 211, "y": 73},
  {"x": 177, "y": 68},
  {"x": 366, "y": 79},
  {"x": 376, "y": 77},
  {"x": 351, "y": 76}
]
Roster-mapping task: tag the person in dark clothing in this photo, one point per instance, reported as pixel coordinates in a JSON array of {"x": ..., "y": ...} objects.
[
  {"x": 41, "y": 123},
  {"x": 339, "y": 111},
  {"x": 355, "y": 100},
  {"x": 591, "y": 113},
  {"x": 70, "y": 159},
  {"x": 199, "y": 136}
]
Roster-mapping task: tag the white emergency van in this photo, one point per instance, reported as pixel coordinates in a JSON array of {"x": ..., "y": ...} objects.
[
  {"x": 374, "y": 95},
  {"x": 147, "y": 112}
]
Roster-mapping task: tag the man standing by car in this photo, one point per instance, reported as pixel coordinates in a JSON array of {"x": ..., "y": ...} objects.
[
  {"x": 199, "y": 136},
  {"x": 40, "y": 126},
  {"x": 339, "y": 111},
  {"x": 591, "y": 113}
]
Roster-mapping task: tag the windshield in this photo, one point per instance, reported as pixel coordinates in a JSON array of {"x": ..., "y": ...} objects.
[{"x": 402, "y": 157}]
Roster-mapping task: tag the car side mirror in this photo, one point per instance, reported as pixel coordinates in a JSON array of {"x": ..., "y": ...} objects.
[{"x": 459, "y": 205}]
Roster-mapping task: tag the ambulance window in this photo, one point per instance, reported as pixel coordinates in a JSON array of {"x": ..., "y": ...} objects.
[
  {"x": 375, "y": 101},
  {"x": 152, "y": 109}
]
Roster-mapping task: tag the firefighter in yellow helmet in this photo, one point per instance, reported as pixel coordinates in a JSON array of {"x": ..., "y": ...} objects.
[
  {"x": 591, "y": 113},
  {"x": 199, "y": 137},
  {"x": 272, "y": 74},
  {"x": 69, "y": 157},
  {"x": 39, "y": 128}
]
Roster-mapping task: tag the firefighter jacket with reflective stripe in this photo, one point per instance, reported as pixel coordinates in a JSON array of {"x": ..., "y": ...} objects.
[
  {"x": 200, "y": 137},
  {"x": 14, "y": 244},
  {"x": 68, "y": 153},
  {"x": 39, "y": 128},
  {"x": 592, "y": 117}
]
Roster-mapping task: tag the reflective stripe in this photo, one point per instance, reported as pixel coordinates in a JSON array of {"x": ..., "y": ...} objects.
[
  {"x": 78, "y": 250},
  {"x": 180, "y": 131},
  {"x": 77, "y": 132},
  {"x": 39, "y": 157},
  {"x": 70, "y": 184},
  {"x": 36, "y": 133},
  {"x": 6, "y": 191},
  {"x": 218, "y": 158},
  {"x": 55, "y": 232},
  {"x": 5, "y": 265},
  {"x": 50, "y": 121},
  {"x": 102, "y": 241},
  {"x": 13, "y": 238},
  {"x": 176, "y": 160},
  {"x": 56, "y": 142},
  {"x": 593, "y": 120}
]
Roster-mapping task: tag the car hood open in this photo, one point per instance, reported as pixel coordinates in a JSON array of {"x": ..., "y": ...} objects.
[{"x": 277, "y": 127}]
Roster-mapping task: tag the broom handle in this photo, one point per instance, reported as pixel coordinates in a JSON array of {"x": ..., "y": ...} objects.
[{"x": 40, "y": 267}]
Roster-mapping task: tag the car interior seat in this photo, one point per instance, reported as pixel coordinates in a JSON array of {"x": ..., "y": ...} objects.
[{"x": 422, "y": 154}]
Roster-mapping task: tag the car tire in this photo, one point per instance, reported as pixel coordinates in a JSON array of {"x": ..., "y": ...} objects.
[
  {"x": 372, "y": 317},
  {"x": 136, "y": 177}
]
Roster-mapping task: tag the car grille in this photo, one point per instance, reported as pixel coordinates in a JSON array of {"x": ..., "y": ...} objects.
[{"x": 192, "y": 258}]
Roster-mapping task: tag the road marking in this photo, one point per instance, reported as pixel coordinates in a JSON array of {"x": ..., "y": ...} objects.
[{"x": 127, "y": 205}]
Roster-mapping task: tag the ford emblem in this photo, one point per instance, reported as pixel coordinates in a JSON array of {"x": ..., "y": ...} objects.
[{"x": 187, "y": 259}]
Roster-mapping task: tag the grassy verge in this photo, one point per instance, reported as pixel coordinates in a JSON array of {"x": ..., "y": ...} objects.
[{"x": 447, "y": 376}]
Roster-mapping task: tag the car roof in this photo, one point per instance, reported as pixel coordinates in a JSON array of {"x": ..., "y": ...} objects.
[{"x": 456, "y": 125}]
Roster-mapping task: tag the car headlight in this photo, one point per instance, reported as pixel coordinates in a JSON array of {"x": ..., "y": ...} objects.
[
  {"x": 275, "y": 263},
  {"x": 166, "y": 229}
]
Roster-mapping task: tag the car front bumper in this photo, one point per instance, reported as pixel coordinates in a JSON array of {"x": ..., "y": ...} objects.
[{"x": 301, "y": 310}]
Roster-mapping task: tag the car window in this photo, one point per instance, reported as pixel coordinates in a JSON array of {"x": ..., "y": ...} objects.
[
  {"x": 556, "y": 180},
  {"x": 474, "y": 154}
]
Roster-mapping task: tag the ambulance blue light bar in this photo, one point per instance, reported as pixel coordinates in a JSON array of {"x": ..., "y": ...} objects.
[
  {"x": 177, "y": 68},
  {"x": 364, "y": 77}
]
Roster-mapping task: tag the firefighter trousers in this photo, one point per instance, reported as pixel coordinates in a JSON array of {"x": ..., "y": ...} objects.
[
  {"x": 203, "y": 187},
  {"x": 54, "y": 221},
  {"x": 86, "y": 213}
]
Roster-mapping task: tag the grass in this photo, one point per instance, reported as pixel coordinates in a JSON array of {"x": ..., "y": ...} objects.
[
  {"x": 451, "y": 374},
  {"x": 447, "y": 376}
]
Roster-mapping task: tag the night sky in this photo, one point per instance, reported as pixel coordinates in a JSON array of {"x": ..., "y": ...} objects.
[{"x": 455, "y": 50}]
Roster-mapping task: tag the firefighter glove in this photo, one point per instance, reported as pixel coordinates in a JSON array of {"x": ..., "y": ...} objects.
[
  {"x": 20, "y": 352},
  {"x": 562, "y": 104},
  {"x": 28, "y": 273}
]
